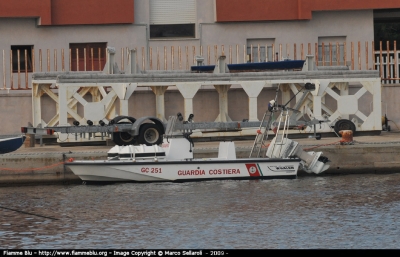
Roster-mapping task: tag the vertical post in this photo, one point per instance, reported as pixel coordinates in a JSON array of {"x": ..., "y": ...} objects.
[
  {"x": 150, "y": 58},
  {"x": 388, "y": 74},
  {"x": 223, "y": 102},
  {"x": 251, "y": 53},
  {"x": 359, "y": 55},
  {"x": 287, "y": 51},
  {"x": 33, "y": 60},
  {"x": 92, "y": 58},
  {"x": 201, "y": 50},
  {"x": 337, "y": 54},
  {"x": 273, "y": 53},
  {"x": 4, "y": 71},
  {"x": 11, "y": 70},
  {"x": 77, "y": 59},
  {"x": 179, "y": 57},
  {"x": 366, "y": 55},
  {"x": 330, "y": 54},
  {"x": 132, "y": 63},
  {"x": 143, "y": 60},
  {"x": 165, "y": 58},
  {"x": 40, "y": 60},
  {"x": 187, "y": 57},
  {"x": 160, "y": 101},
  {"x": 110, "y": 61},
  {"x": 215, "y": 54},
  {"x": 244, "y": 54},
  {"x": 258, "y": 53},
  {"x": 345, "y": 53},
  {"x": 19, "y": 68},
  {"x": 208, "y": 55},
  {"x": 36, "y": 103},
  {"x": 302, "y": 51},
  {"x": 172, "y": 58},
  {"x": 105, "y": 51},
  {"x": 323, "y": 54},
  {"x": 26, "y": 69},
  {"x": 309, "y": 49},
  {"x": 352, "y": 55},
  {"x": 230, "y": 54},
  {"x": 373, "y": 55},
  {"x": 55, "y": 59},
  {"x": 316, "y": 54},
  {"x": 123, "y": 59},
  {"x": 280, "y": 52},
  {"x": 194, "y": 55},
  {"x": 62, "y": 60},
  {"x": 237, "y": 53},
  {"x": 99, "y": 58},
  {"x": 158, "y": 59},
  {"x": 48, "y": 60},
  {"x": 380, "y": 60},
  {"x": 70, "y": 59},
  {"x": 188, "y": 93},
  {"x": 294, "y": 52},
  {"x": 395, "y": 59}
]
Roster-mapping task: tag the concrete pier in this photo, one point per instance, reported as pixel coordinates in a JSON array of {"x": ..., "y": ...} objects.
[{"x": 44, "y": 164}]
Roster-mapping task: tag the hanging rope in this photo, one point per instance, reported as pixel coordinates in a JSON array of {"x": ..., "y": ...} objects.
[
  {"x": 310, "y": 148},
  {"x": 39, "y": 168}
]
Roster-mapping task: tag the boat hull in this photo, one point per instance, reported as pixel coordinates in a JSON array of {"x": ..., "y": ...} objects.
[
  {"x": 8, "y": 145},
  {"x": 181, "y": 171}
]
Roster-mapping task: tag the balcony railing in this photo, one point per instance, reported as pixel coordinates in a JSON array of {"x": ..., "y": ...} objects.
[{"x": 17, "y": 66}]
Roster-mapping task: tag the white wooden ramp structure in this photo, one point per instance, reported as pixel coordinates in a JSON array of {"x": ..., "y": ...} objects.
[{"x": 340, "y": 94}]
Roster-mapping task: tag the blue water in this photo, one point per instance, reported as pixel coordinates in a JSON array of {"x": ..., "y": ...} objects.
[{"x": 346, "y": 212}]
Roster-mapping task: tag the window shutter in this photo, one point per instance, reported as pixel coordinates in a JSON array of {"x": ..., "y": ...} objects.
[{"x": 172, "y": 11}]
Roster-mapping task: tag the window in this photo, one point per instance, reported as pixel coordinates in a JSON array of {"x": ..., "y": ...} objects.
[
  {"x": 386, "y": 27},
  {"x": 23, "y": 53},
  {"x": 172, "y": 30},
  {"x": 95, "y": 56},
  {"x": 172, "y": 18}
]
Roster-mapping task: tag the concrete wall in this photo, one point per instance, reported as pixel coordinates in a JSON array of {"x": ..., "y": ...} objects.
[{"x": 15, "y": 111}]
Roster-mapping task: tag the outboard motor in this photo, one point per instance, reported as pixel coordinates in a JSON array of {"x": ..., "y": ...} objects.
[{"x": 310, "y": 161}]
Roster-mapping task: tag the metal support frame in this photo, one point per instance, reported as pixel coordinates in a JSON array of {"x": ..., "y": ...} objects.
[{"x": 73, "y": 86}]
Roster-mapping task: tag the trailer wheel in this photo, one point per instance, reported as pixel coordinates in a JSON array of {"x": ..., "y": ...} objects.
[
  {"x": 344, "y": 125},
  {"x": 150, "y": 134},
  {"x": 123, "y": 138}
]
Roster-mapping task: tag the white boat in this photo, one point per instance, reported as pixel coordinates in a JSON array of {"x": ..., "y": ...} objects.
[{"x": 173, "y": 161}]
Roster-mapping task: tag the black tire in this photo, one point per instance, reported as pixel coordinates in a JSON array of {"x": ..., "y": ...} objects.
[
  {"x": 150, "y": 134},
  {"x": 344, "y": 125},
  {"x": 123, "y": 138}
]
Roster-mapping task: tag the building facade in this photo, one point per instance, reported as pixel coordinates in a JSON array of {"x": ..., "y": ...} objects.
[{"x": 248, "y": 30}]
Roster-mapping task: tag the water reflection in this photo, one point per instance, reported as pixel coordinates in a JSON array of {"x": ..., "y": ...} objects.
[{"x": 354, "y": 211}]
